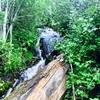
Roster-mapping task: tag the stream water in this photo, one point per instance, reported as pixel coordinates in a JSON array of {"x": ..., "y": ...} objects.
[{"x": 44, "y": 47}]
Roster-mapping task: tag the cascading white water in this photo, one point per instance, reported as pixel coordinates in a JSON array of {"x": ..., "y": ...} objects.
[
  {"x": 47, "y": 39},
  {"x": 33, "y": 71}
]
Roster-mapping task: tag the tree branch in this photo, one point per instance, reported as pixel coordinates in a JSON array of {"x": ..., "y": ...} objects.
[
  {"x": 13, "y": 19},
  {"x": 5, "y": 21}
]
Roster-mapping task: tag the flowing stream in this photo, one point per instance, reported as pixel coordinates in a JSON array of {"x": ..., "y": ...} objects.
[{"x": 44, "y": 47}]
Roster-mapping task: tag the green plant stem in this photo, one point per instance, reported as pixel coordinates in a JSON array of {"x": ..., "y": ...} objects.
[{"x": 73, "y": 87}]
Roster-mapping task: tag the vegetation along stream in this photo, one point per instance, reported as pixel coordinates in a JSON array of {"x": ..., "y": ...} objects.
[{"x": 34, "y": 32}]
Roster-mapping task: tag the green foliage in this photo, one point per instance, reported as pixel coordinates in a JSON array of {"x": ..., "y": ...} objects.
[
  {"x": 1, "y": 17},
  {"x": 79, "y": 23},
  {"x": 52, "y": 13},
  {"x": 82, "y": 49},
  {"x": 15, "y": 56},
  {"x": 4, "y": 86},
  {"x": 10, "y": 59},
  {"x": 25, "y": 37}
]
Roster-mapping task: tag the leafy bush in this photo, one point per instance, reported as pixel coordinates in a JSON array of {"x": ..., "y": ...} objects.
[
  {"x": 25, "y": 37},
  {"x": 15, "y": 56},
  {"x": 79, "y": 23},
  {"x": 82, "y": 50},
  {"x": 10, "y": 59},
  {"x": 4, "y": 86},
  {"x": 1, "y": 17},
  {"x": 52, "y": 13}
]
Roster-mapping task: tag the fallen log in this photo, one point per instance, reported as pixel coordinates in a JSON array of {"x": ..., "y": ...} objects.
[{"x": 49, "y": 84}]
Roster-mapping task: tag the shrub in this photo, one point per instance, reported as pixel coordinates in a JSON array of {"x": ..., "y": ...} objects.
[
  {"x": 10, "y": 59},
  {"x": 4, "y": 86},
  {"x": 82, "y": 50}
]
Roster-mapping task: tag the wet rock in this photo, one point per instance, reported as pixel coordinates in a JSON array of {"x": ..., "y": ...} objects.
[{"x": 48, "y": 37}]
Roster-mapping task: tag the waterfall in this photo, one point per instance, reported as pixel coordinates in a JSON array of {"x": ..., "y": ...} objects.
[{"x": 44, "y": 47}]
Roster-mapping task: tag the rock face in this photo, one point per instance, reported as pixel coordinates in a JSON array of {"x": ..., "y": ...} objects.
[{"x": 48, "y": 84}]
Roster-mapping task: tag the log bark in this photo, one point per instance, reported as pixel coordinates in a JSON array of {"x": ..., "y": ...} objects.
[{"x": 49, "y": 84}]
